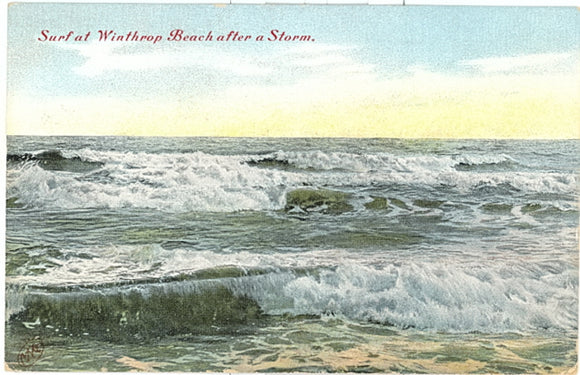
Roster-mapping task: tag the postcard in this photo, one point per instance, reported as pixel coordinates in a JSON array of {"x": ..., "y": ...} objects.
[{"x": 291, "y": 188}]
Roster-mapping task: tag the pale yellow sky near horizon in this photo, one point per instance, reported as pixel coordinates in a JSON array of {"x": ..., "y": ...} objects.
[{"x": 425, "y": 106}]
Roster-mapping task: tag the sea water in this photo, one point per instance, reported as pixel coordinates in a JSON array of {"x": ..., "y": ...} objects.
[{"x": 239, "y": 254}]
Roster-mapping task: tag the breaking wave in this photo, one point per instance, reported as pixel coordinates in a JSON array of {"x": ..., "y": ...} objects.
[
  {"x": 501, "y": 296},
  {"x": 204, "y": 182}
]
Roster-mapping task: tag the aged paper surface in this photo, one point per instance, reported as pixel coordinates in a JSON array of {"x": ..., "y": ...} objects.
[{"x": 195, "y": 188}]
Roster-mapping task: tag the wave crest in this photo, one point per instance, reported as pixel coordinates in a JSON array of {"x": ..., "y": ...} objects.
[
  {"x": 504, "y": 295},
  {"x": 226, "y": 183}
]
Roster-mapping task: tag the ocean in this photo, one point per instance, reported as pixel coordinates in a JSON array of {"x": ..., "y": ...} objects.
[{"x": 309, "y": 255}]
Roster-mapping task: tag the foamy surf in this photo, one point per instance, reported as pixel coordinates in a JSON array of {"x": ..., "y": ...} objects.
[
  {"x": 294, "y": 255},
  {"x": 505, "y": 295},
  {"x": 228, "y": 183}
]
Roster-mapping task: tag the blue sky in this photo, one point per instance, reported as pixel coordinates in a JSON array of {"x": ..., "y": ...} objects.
[{"x": 355, "y": 49}]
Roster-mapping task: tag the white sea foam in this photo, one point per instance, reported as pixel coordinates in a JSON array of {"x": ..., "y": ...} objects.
[
  {"x": 442, "y": 297},
  {"x": 188, "y": 182},
  {"x": 453, "y": 296},
  {"x": 204, "y": 182}
]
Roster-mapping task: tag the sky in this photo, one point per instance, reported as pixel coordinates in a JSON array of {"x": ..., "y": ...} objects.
[{"x": 359, "y": 71}]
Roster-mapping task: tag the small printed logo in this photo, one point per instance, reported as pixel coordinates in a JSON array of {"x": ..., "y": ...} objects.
[{"x": 30, "y": 352}]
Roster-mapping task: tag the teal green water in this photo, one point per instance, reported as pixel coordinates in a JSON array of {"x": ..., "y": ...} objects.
[{"x": 311, "y": 255}]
